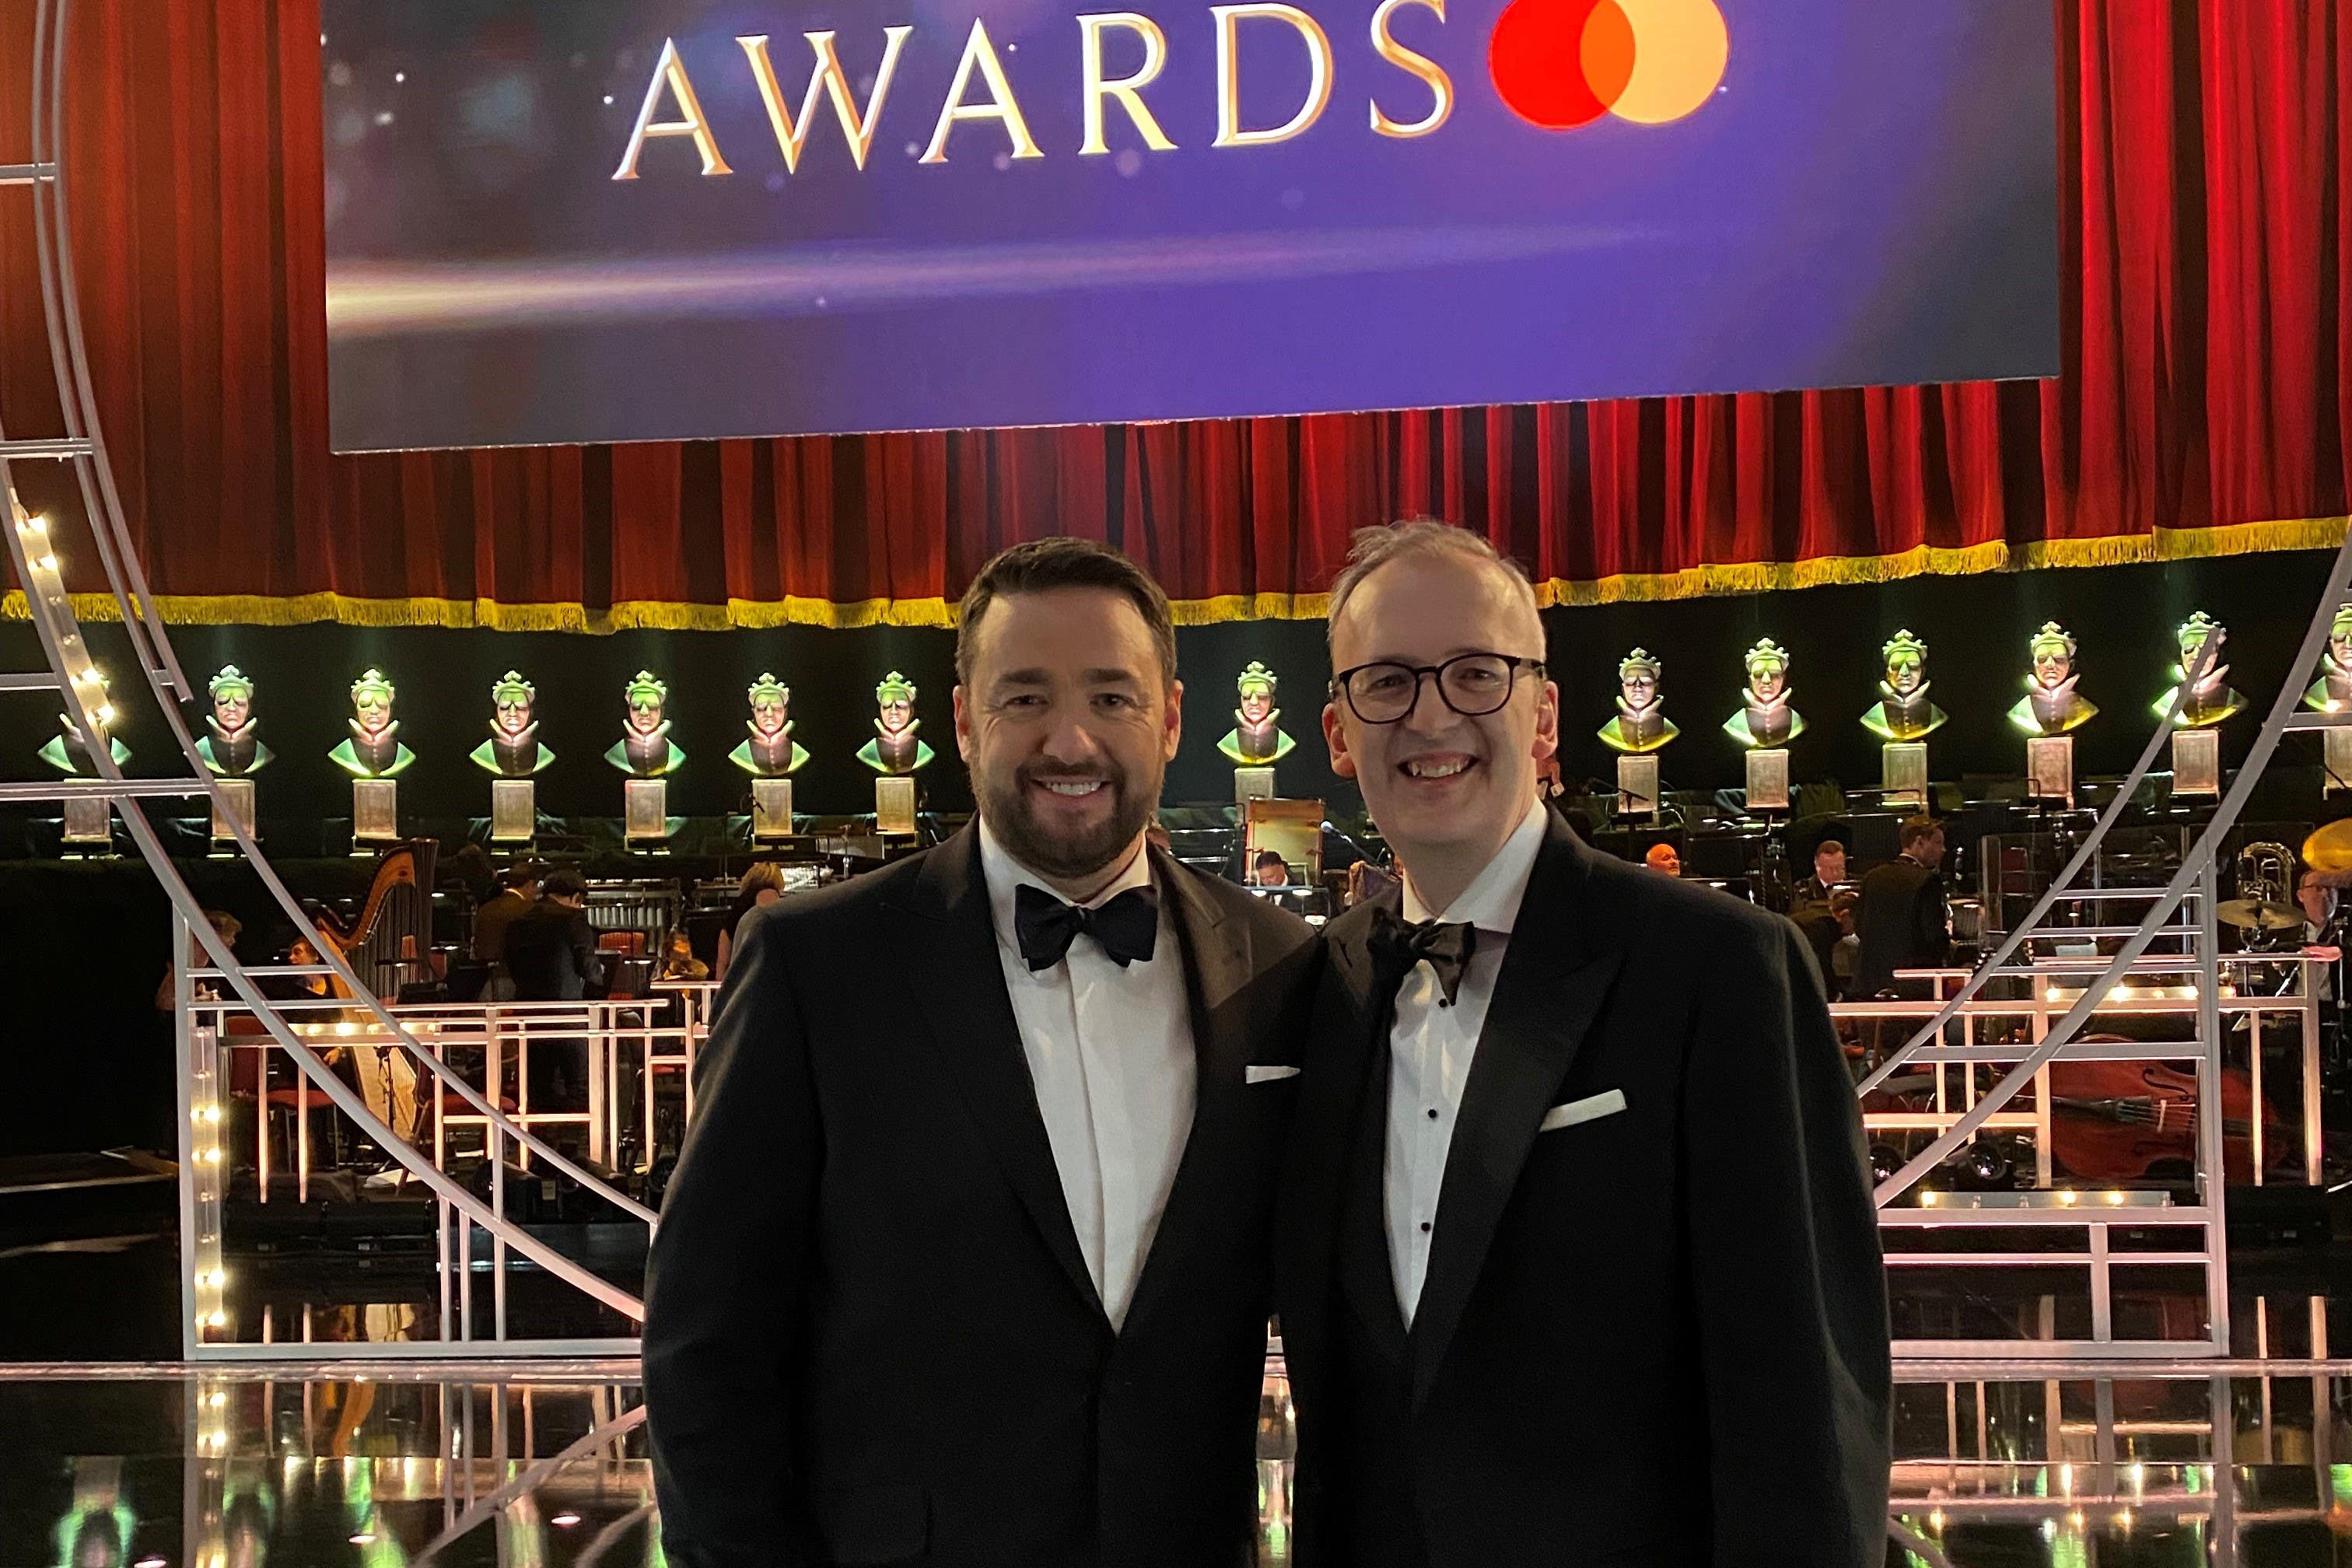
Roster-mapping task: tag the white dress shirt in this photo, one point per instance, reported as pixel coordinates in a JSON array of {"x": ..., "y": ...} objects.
[
  {"x": 1110, "y": 1057},
  {"x": 1430, "y": 1047}
]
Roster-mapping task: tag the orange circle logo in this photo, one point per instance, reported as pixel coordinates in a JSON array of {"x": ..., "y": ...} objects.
[{"x": 1561, "y": 64}]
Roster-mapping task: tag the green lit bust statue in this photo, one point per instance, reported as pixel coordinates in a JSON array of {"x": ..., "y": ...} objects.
[
  {"x": 1256, "y": 739},
  {"x": 513, "y": 750},
  {"x": 1904, "y": 711},
  {"x": 644, "y": 748},
  {"x": 1765, "y": 720},
  {"x": 2211, "y": 700},
  {"x": 2332, "y": 692},
  {"x": 233, "y": 747},
  {"x": 65, "y": 750},
  {"x": 896, "y": 748},
  {"x": 2050, "y": 705},
  {"x": 768, "y": 750},
  {"x": 373, "y": 749},
  {"x": 1640, "y": 724}
]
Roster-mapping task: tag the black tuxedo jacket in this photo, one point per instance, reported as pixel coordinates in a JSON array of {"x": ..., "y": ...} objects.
[
  {"x": 1658, "y": 1337},
  {"x": 1902, "y": 922},
  {"x": 871, "y": 1336}
]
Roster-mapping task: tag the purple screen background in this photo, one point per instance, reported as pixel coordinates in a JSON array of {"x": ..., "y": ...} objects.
[{"x": 1870, "y": 198}]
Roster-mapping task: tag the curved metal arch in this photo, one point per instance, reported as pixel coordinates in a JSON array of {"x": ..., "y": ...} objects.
[
  {"x": 53, "y": 621},
  {"x": 2193, "y": 865}
]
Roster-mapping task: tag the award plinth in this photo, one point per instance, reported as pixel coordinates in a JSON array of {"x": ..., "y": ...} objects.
[
  {"x": 1902, "y": 772},
  {"x": 1637, "y": 785},
  {"x": 771, "y": 810},
  {"x": 2197, "y": 762},
  {"x": 1252, "y": 784},
  {"x": 514, "y": 811},
  {"x": 2335, "y": 750},
  {"x": 894, "y": 805},
  {"x": 644, "y": 811},
  {"x": 232, "y": 804},
  {"x": 1768, "y": 780},
  {"x": 90, "y": 822},
  {"x": 2050, "y": 768},
  {"x": 375, "y": 811}
]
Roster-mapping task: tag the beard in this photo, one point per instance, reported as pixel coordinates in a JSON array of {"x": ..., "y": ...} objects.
[{"x": 1004, "y": 805}]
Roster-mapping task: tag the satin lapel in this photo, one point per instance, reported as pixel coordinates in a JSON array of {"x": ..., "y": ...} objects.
[
  {"x": 1217, "y": 965},
  {"x": 1555, "y": 975},
  {"x": 962, "y": 997},
  {"x": 1347, "y": 1087}
]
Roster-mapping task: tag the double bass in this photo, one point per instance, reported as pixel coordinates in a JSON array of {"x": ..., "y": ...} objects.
[{"x": 2124, "y": 1121}]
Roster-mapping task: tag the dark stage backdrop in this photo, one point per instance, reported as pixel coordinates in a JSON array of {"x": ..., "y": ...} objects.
[
  {"x": 2203, "y": 176},
  {"x": 1975, "y": 630},
  {"x": 87, "y": 946}
]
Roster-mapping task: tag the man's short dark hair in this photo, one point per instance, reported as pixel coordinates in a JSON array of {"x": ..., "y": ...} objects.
[
  {"x": 1836, "y": 844},
  {"x": 1914, "y": 828},
  {"x": 564, "y": 884},
  {"x": 1270, "y": 857},
  {"x": 522, "y": 874},
  {"x": 1043, "y": 564}
]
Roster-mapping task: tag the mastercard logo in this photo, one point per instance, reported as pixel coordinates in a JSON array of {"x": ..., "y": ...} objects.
[{"x": 1561, "y": 64}]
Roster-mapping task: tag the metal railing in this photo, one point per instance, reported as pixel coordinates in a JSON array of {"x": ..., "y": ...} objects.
[
  {"x": 2193, "y": 888},
  {"x": 34, "y": 553}
]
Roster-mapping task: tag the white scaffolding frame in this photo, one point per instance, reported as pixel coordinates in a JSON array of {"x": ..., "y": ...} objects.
[
  {"x": 70, "y": 677},
  {"x": 2194, "y": 888}
]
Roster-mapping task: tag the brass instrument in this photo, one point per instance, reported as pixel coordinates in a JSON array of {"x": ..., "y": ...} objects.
[
  {"x": 2330, "y": 848},
  {"x": 2265, "y": 900}
]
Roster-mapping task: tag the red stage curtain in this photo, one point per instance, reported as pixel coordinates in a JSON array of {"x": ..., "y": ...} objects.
[{"x": 2201, "y": 407}]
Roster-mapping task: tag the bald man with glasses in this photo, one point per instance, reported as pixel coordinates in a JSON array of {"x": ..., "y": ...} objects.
[{"x": 1576, "y": 1257}]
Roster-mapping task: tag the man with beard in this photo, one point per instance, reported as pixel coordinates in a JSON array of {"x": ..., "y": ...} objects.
[
  {"x": 1578, "y": 1259},
  {"x": 973, "y": 1272}
]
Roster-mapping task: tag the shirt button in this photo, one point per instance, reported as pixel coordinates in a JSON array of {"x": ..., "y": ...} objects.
[
  {"x": 1424, "y": 1227},
  {"x": 1433, "y": 1113}
]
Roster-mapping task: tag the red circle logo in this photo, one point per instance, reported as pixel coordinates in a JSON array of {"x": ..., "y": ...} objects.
[{"x": 1561, "y": 64}]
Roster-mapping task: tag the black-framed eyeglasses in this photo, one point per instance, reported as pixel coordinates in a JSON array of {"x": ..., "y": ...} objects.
[{"x": 1473, "y": 684}]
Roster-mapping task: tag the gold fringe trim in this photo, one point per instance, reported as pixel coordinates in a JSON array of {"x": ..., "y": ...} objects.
[{"x": 742, "y": 614}]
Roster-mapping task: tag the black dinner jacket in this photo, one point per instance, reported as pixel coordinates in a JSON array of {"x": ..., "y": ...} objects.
[
  {"x": 870, "y": 1335},
  {"x": 1902, "y": 922},
  {"x": 1658, "y": 1337}
]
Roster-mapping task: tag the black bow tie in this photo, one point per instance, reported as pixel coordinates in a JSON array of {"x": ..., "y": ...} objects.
[
  {"x": 1397, "y": 945},
  {"x": 1126, "y": 928}
]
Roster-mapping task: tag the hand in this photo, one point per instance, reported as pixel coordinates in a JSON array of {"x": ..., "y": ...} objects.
[{"x": 2326, "y": 954}]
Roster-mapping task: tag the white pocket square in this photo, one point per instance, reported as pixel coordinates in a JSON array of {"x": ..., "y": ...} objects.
[
  {"x": 1270, "y": 1074},
  {"x": 1589, "y": 1109}
]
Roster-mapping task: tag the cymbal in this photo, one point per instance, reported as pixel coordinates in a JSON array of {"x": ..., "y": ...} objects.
[
  {"x": 2330, "y": 848},
  {"x": 2256, "y": 914}
]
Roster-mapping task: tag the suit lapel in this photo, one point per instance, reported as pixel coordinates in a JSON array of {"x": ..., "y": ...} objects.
[
  {"x": 962, "y": 997},
  {"x": 1335, "y": 1177},
  {"x": 1556, "y": 974},
  {"x": 1217, "y": 965}
]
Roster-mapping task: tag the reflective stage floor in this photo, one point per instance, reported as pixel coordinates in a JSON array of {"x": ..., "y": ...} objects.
[
  {"x": 151, "y": 1470},
  {"x": 142, "y": 1464}
]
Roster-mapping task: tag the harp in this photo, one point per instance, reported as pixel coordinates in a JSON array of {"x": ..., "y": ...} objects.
[{"x": 390, "y": 942}]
